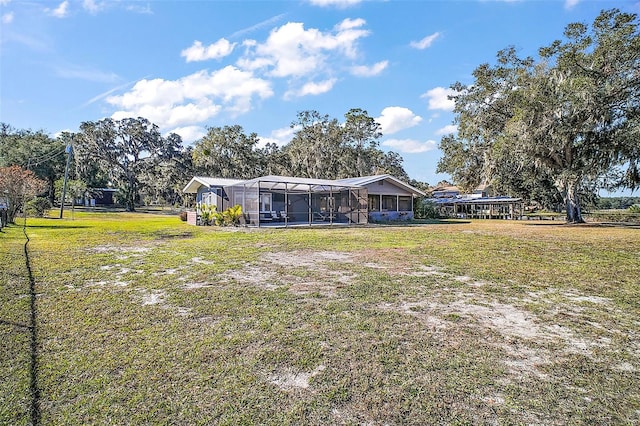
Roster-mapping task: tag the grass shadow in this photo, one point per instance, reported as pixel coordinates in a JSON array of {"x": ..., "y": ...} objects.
[
  {"x": 423, "y": 222},
  {"x": 60, "y": 226}
]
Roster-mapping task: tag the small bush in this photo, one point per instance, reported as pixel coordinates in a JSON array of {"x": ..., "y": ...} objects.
[
  {"x": 183, "y": 216},
  {"x": 426, "y": 210},
  {"x": 38, "y": 206},
  {"x": 229, "y": 217}
]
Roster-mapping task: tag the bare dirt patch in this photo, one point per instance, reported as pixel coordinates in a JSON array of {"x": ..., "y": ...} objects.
[
  {"x": 298, "y": 270},
  {"x": 195, "y": 286},
  {"x": 123, "y": 252},
  {"x": 306, "y": 259},
  {"x": 201, "y": 261},
  {"x": 257, "y": 275},
  {"x": 153, "y": 298},
  {"x": 288, "y": 380}
]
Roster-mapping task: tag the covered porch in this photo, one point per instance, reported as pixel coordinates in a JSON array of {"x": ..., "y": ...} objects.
[
  {"x": 481, "y": 208},
  {"x": 280, "y": 201}
]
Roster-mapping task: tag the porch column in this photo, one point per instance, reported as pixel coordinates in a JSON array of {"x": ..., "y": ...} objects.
[
  {"x": 286, "y": 204},
  {"x": 329, "y": 202},
  {"x": 310, "y": 214},
  {"x": 259, "y": 202}
]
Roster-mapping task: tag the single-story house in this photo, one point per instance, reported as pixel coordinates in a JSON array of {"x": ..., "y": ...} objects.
[{"x": 288, "y": 201}]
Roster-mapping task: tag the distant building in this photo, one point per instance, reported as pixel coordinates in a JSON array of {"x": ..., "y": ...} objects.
[
  {"x": 99, "y": 197},
  {"x": 480, "y": 204}
]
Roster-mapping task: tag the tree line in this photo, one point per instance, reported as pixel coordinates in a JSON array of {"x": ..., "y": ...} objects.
[{"x": 133, "y": 156}]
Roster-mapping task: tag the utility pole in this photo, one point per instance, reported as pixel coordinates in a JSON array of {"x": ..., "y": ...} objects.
[{"x": 69, "y": 151}]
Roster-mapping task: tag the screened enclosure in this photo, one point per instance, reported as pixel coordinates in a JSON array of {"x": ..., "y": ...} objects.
[{"x": 290, "y": 201}]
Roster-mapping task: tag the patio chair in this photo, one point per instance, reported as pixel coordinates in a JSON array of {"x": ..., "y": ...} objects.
[
  {"x": 265, "y": 217},
  {"x": 274, "y": 216},
  {"x": 320, "y": 216},
  {"x": 283, "y": 215}
]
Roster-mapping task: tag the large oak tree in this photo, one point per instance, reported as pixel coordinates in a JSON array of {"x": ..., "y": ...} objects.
[
  {"x": 125, "y": 149},
  {"x": 570, "y": 117}
]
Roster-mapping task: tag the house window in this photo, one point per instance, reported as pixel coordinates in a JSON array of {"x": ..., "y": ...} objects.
[
  {"x": 265, "y": 202},
  {"x": 404, "y": 204},
  {"x": 389, "y": 203},
  {"x": 374, "y": 203}
]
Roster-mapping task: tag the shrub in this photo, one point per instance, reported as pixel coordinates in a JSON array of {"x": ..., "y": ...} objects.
[
  {"x": 38, "y": 206},
  {"x": 229, "y": 217},
  {"x": 207, "y": 213},
  {"x": 426, "y": 210}
]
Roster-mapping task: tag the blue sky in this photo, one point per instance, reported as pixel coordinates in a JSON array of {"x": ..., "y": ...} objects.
[{"x": 187, "y": 65}]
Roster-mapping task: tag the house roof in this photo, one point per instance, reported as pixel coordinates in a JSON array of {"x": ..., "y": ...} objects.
[
  {"x": 366, "y": 180},
  {"x": 297, "y": 184},
  {"x": 451, "y": 188},
  {"x": 198, "y": 181},
  {"x": 482, "y": 200}
]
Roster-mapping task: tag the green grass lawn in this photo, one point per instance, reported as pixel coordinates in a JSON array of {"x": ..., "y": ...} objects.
[{"x": 143, "y": 319}]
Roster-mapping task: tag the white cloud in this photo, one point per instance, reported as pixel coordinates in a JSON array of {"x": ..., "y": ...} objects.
[
  {"x": 4, "y": 2},
  {"x": 217, "y": 50},
  {"x": 394, "y": 119},
  {"x": 425, "y": 42},
  {"x": 61, "y": 10},
  {"x": 192, "y": 99},
  {"x": 312, "y": 88},
  {"x": 293, "y": 51},
  {"x": 446, "y": 130},
  {"x": 438, "y": 98},
  {"x": 337, "y": 3},
  {"x": 7, "y": 18},
  {"x": 570, "y": 4},
  {"x": 92, "y": 6},
  {"x": 189, "y": 134},
  {"x": 279, "y": 137},
  {"x": 59, "y": 133},
  {"x": 410, "y": 146},
  {"x": 365, "y": 71},
  {"x": 143, "y": 10}
]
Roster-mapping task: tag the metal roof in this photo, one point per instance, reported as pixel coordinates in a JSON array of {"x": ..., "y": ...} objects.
[
  {"x": 290, "y": 183},
  {"x": 366, "y": 180},
  {"x": 481, "y": 200},
  {"x": 198, "y": 181}
]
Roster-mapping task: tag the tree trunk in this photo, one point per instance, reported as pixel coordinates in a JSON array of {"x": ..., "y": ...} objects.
[
  {"x": 51, "y": 191},
  {"x": 572, "y": 203}
]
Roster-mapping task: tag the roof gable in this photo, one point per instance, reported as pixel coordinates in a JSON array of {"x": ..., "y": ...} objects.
[
  {"x": 368, "y": 180},
  {"x": 199, "y": 181}
]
